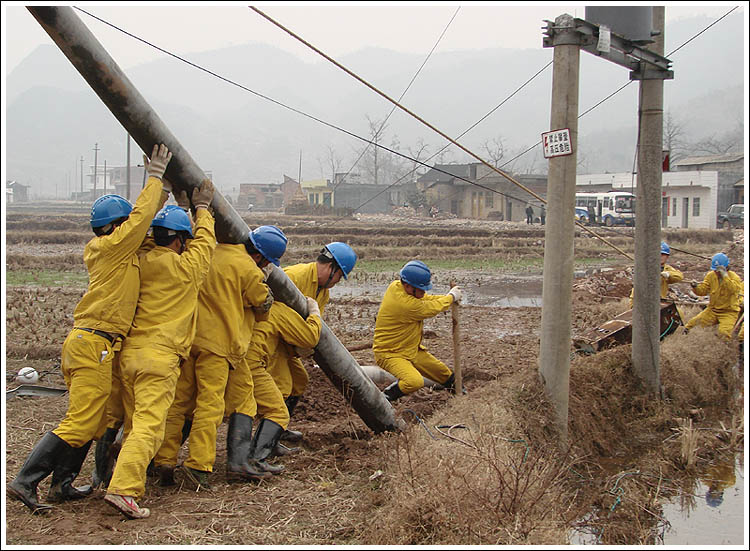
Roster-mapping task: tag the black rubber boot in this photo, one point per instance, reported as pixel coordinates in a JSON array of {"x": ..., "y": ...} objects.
[
  {"x": 393, "y": 392},
  {"x": 103, "y": 459},
  {"x": 450, "y": 385},
  {"x": 38, "y": 465},
  {"x": 67, "y": 469},
  {"x": 291, "y": 435},
  {"x": 186, "y": 426},
  {"x": 264, "y": 442},
  {"x": 239, "y": 444}
]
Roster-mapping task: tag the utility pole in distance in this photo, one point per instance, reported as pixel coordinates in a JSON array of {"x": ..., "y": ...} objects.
[
  {"x": 96, "y": 151},
  {"x": 81, "y": 178}
]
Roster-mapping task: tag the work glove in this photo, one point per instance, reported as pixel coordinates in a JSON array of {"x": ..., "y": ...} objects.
[
  {"x": 721, "y": 271},
  {"x": 160, "y": 157},
  {"x": 266, "y": 306},
  {"x": 183, "y": 201},
  {"x": 303, "y": 352},
  {"x": 694, "y": 283},
  {"x": 267, "y": 270},
  {"x": 456, "y": 293},
  {"x": 665, "y": 274},
  {"x": 312, "y": 307},
  {"x": 203, "y": 195}
]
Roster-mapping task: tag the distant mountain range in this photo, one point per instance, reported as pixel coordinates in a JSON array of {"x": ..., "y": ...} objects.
[{"x": 53, "y": 117}]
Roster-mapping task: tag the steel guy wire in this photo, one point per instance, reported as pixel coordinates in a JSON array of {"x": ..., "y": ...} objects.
[
  {"x": 430, "y": 126},
  {"x": 399, "y": 98}
]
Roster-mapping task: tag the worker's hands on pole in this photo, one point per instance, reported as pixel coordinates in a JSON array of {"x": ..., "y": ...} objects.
[
  {"x": 267, "y": 270},
  {"x": 203, "y": 195},
  {"x": 266, "y": 306},
  {"x": 156, "y": 166},
  {"x": 183, "y": 201},
  {"x": 456, "y": 293},
  {"x": 312, "y": 307}
]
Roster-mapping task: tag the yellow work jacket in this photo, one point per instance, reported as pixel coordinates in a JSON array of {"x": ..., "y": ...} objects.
[
  {"x": 225, "y": 316},
  {"x": 675, "y": 276},
  {"x": 170, "y": 282},
  {"x": 112, "y": 263},
  {"x": 725, "y": 295},
  {"x": 398, "y": 326},
  {"x": 305, "y": 277},
  {"x": 283, "y": 324}
]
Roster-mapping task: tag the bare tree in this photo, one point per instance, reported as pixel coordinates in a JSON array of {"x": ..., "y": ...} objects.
[
  {"x": 330, "y": 162},
  {"x": 495, "y": 149},
  {"x": 417, "y": 152},
  {"x": 673, "y": 138}
]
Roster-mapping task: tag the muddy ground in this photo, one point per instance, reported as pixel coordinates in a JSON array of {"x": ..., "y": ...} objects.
[{"x": 349, "y": 486}]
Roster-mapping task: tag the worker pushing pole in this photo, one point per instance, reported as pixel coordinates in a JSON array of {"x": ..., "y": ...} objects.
[{"x": 113, "y": 87}]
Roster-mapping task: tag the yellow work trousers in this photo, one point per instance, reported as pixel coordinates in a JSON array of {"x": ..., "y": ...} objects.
[
  {"x": 268, "y": 397},
  {"x": 709, "y": 316},
  {"x": 149, "y": 377},
  {"x": 87, "y": 370},
  {"x": 239, "y": 392},
  {"x": 115, "y": 409},
  {"x": 288, "y": 373},
  {"x": 410, "y": 373}
]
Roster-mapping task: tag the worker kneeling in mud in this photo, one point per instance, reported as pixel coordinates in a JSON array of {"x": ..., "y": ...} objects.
[
  {"x": 724, "y": 288},
  {"x": 398, "y": 331}
]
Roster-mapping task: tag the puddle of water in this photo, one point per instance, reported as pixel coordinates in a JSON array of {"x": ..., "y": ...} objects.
[
  {"x": 711, "y": 514},
  {"x": 508, "y": 292},
  {"x": 714, "y": 514}
]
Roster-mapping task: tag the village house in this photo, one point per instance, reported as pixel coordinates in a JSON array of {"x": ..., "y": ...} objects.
[
  {"x": 15, "y": 192},
  {"x": 730, "y": 169}
]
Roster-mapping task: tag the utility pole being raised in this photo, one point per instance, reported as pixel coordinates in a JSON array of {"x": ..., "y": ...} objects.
[{"x": 646, "y": 275}]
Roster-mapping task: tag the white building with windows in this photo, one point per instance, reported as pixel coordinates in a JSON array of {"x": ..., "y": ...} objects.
[{"x": 688, "y": 198}]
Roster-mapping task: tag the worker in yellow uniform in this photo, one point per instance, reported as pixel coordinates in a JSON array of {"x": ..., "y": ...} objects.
[
  {"x": 314, "y": 280},
  {"x": 669, "y": 274},
  {"x": 397, "y": 343},
  {"x": 271, "y": 341},
  {"x": 233, "y": 293},
  {"x": 100, "y": 319},
  {"x": 172, "y": 274},
  {"x": 724, "y": 288}
]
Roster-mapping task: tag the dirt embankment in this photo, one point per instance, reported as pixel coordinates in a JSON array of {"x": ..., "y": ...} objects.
[{"x": 485, "y": 468}]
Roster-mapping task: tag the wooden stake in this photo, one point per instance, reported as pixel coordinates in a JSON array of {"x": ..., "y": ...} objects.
[{"x": 456, "y": 346}]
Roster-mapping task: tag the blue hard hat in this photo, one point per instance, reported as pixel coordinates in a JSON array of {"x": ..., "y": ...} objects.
[
  {"x": 417, "y": 274},
  {"x": 664, "y": 248},
  {"x": 108, "y": 208},
  {"x": 719, "y": 259},
  {"x": 344, "y": 256},
  {"x": 174, "y": 218},
  {"x": 270, "y": 242}
]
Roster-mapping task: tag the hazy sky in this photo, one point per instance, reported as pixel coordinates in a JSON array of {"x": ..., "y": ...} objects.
[{"x": 335, "y": 28}]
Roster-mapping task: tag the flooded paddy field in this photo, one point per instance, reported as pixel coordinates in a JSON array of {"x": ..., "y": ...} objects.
[{"x": 627, "y": 475}]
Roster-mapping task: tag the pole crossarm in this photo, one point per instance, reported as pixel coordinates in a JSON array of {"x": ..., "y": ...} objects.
[{"x": 643, "y": 64}]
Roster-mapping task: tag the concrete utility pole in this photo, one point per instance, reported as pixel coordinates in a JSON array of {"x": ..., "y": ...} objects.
[
  {"x": 130, "y": 108},
  {"x": 96, "y": 151},
  {"x": 557, "y": 289},
  {"x": 646, "y": 275},
  {"x": 105, "y": 176}
]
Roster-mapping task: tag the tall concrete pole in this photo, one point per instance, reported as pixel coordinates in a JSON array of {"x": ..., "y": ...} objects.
[
  {"x": 557, "y": 290},
  {"x": 96, "y": 160},
  {"x": 130, "y": 108},
  {"x": 646, "y": 275}
]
